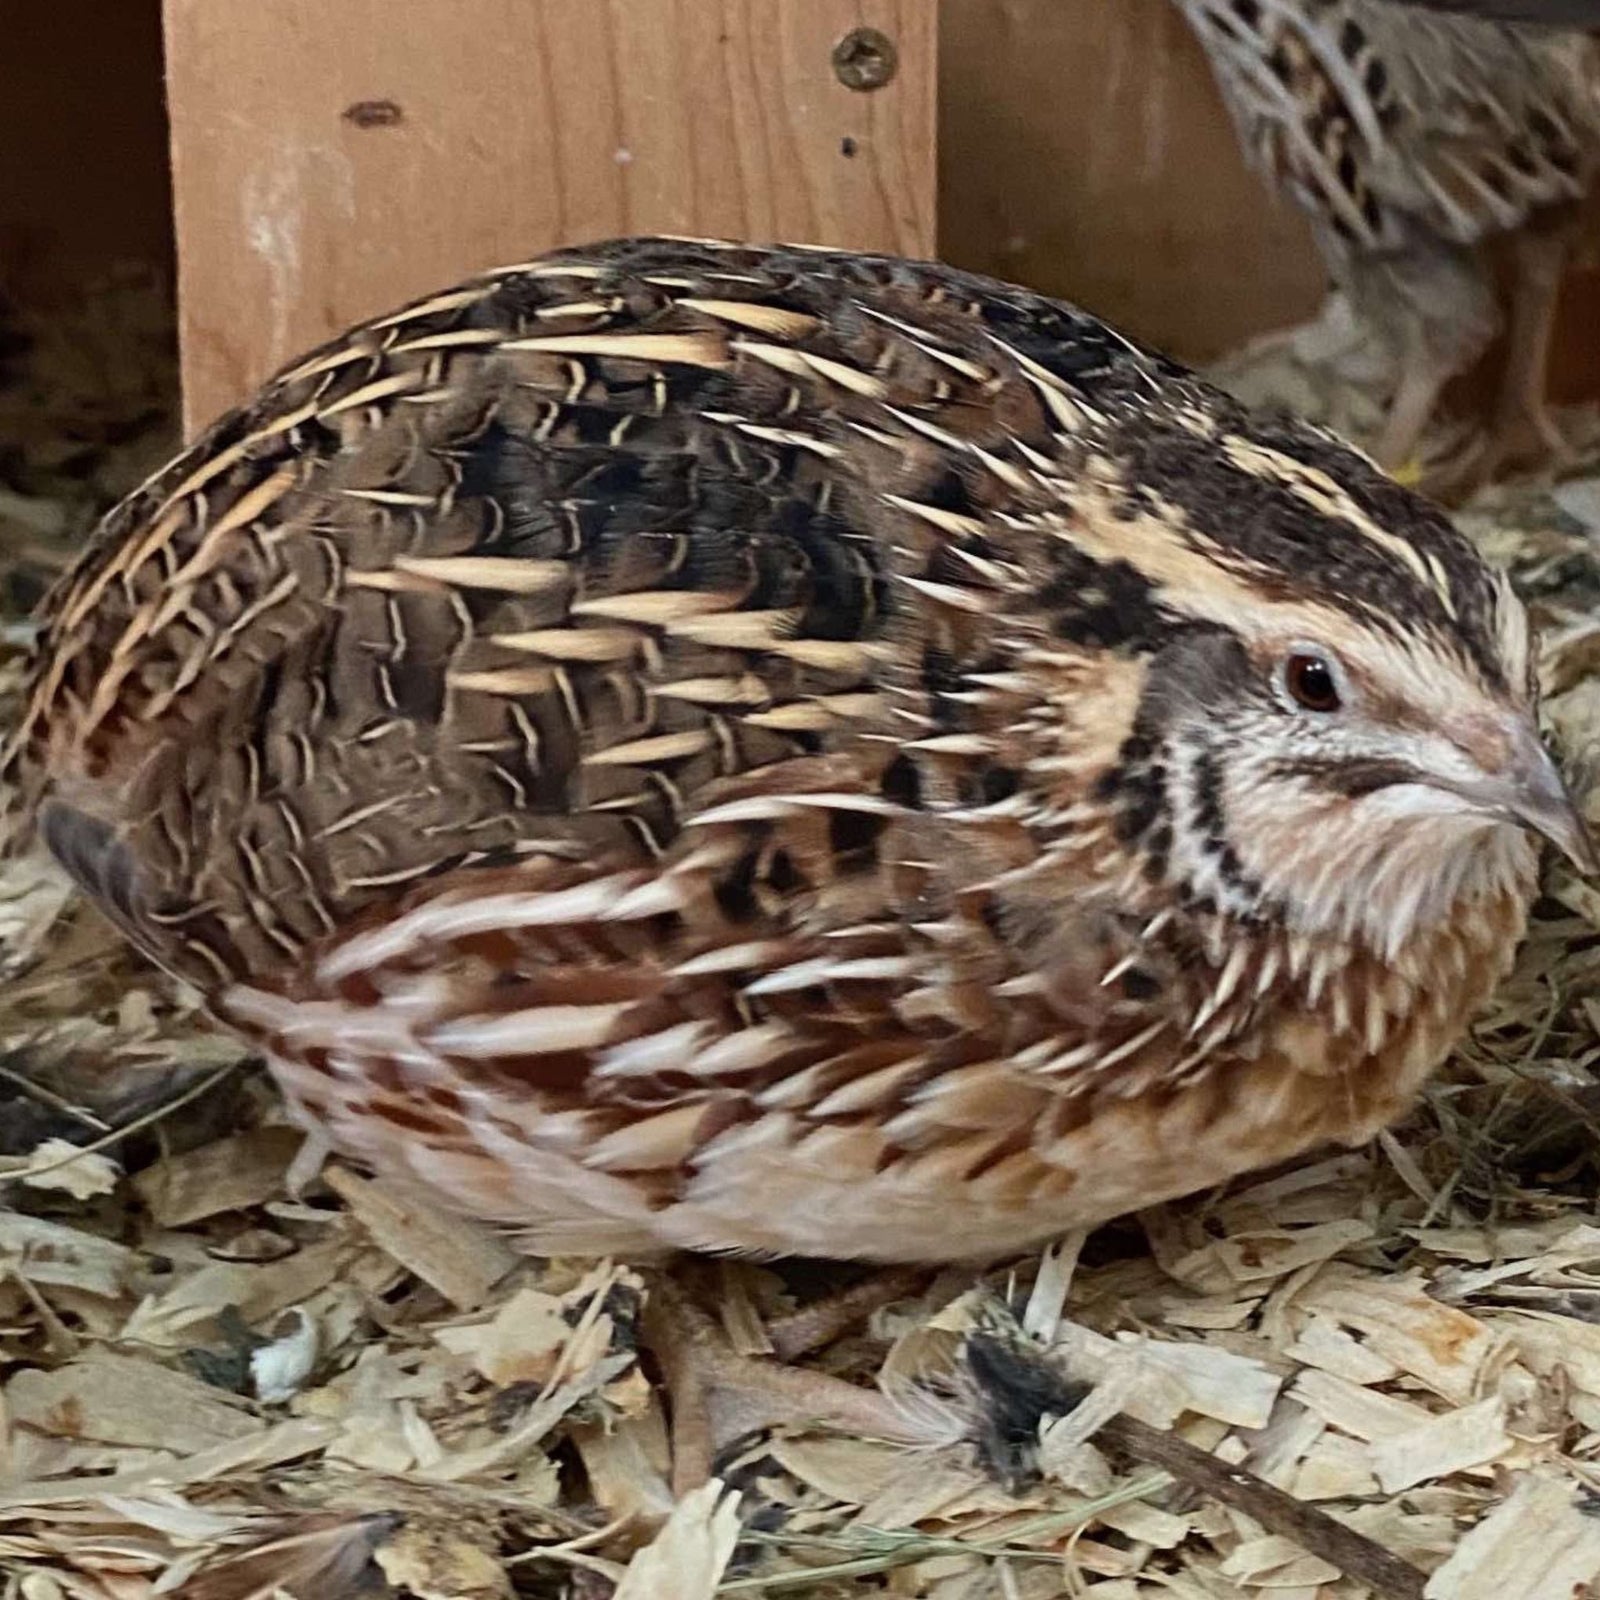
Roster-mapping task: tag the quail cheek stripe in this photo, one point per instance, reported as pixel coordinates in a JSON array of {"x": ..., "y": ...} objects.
[{"x": 684, "y": 745}]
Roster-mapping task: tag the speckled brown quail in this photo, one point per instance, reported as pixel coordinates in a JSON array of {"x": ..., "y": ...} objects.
[
  {"x": 1411, "y": 138},
  {"x": 679, "y": 746}
]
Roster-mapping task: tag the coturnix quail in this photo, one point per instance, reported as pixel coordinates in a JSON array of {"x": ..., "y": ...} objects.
[{"x": 678, "y": 746}]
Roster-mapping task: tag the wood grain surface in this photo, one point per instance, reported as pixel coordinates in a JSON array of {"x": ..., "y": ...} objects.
[
  {"x": 333, "y": 159},
  {"x": 1084, "y": 150}
]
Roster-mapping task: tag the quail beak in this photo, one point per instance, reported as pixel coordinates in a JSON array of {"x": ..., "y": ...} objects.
[{"x": 1532, "y": 792}]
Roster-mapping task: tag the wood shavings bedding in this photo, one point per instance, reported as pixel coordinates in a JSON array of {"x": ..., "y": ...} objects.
[{"x": 212, "y": 1386}]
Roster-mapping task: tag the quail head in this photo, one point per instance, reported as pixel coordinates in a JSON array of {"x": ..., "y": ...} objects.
[{"x": 684, "y": 746}]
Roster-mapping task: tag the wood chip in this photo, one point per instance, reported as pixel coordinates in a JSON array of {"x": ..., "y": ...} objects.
[
  {"x": 51, "y": 1254},
  {"x": 1536, "y": 1545},
  {"x": 686, "y": 1560},
  {"x": 122, "y": 1400},
  {"x": 1550, "y": 1344},
  {"x": 433, "y": 1563},
  {"x": 227, "y": 1175},
  {"x": 187, "y": 1312},
  {"x": 459, "y": 1259},
  {"x": 1437, "y": 1344},
  {"x": 61, "y": 1164},
  {"x": 1366, "y": 1413},
  {"x": 1452, "y": 1442},
  {"x": 1248, "y": 1258},
  {"x": 1326, "y": 1346},
  {"x": 627, "y": 1466},
  {"x": 1276, "y": 1563},
  {"x": 1335, "y": 1468},
  {"x": 1174, "y": 1378},
  {"x": 522, "y": 1343}
]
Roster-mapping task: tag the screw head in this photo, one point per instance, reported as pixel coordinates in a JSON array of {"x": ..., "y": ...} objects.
[{"x": 865, "y": 59}]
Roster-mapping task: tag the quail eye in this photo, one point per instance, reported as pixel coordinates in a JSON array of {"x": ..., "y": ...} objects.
[{"x": 1311, "y": 682}]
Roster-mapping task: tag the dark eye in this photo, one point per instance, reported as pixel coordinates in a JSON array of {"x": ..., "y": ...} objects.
[{"x": 1310, "y": 682}]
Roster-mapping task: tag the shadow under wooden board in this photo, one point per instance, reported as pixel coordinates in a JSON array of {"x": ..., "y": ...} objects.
[
  {"x": 83, "y": 171},
  {"x": 331, "y": 161}
]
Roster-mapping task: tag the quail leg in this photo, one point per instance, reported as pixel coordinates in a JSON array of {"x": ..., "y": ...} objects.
[
  {"x": 718, "y": 1396},
  {"x": 1422, "y": 377},
  {"x": 1522, "y": 430},
  {"x": 821, "y": 1322}
]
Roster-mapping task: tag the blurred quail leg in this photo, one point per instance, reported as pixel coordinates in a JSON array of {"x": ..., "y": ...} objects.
[
  {"x": 1422, "y": 377},
  {"x": 1522, "y": 430}
]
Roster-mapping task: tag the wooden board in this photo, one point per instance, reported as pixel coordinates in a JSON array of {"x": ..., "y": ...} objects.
[{"x": 332, "y": 158}]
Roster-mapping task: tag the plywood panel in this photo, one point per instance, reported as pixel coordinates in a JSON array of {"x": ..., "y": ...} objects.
[
  {"x": 1085, "y": 151},
  {"x": 333, "y": 157}
]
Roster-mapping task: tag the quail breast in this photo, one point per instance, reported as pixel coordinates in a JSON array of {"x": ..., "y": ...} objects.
[{"x": 683, "y": 745}]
